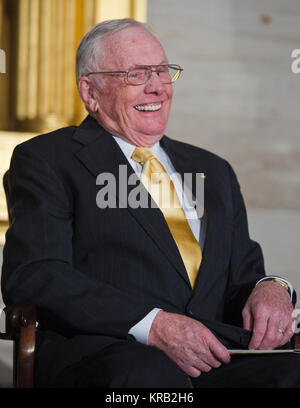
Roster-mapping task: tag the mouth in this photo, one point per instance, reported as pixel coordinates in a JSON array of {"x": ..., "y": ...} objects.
[{"x": 149, "y": 107}]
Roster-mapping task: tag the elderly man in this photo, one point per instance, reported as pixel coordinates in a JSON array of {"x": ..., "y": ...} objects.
[{"x": 138, "y": 296}]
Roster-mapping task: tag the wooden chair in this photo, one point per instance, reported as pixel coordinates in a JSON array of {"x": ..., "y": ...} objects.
[{"x": 20, "y": 322}]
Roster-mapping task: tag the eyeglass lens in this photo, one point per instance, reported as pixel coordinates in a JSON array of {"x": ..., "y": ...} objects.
[{"x": 139, "y": 76}]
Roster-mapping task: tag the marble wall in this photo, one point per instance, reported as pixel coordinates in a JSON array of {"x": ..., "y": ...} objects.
[
  {"x": 237, "y": 95},
  {"x": 239, "y": 98}
]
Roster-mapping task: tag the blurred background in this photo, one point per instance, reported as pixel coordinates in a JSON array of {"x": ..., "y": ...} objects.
[{"x": 237, "y": 96}]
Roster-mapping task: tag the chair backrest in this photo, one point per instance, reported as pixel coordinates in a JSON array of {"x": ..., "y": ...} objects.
[
  {"x": 6, "y": 190},
  {"x": 20, "y": 327}
]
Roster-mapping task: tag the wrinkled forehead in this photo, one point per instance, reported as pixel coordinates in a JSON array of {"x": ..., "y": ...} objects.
[{"x": 129, "y": 47}]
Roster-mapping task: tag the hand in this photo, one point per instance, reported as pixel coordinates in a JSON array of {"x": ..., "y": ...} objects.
[
  {"x": 268, "y": 313},
  {"x": 187, "y": 342}
]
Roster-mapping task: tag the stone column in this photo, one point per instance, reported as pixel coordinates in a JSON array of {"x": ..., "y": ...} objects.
[
  {"x": 38, "y": 91},
  {"x": 45, "y": 35}
]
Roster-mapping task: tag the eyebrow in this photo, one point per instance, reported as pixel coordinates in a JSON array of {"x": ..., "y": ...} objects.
[{"x": 145, "y": 65}]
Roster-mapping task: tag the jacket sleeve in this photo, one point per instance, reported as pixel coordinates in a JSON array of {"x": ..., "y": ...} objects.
[
  {"x": 37, "y": 257},
  {"x": 246, "y": 261}
]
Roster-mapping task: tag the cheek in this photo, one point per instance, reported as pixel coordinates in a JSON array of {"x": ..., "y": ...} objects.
[
  {"x": 113, "y": 100},
  {"x": 170, "y": 95},
  {"x": 124, "y": 103}
]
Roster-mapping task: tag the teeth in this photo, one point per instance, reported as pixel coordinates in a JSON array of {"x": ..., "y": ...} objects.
[{"x": 148, "y": 107}]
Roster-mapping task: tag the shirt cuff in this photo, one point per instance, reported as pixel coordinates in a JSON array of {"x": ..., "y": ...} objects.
[
  {"x": 291, "y": 289},
  {"x": 140, "y": 331}
]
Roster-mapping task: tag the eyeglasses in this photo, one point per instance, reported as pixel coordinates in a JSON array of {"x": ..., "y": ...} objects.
[{"x": 167, "y": 73}]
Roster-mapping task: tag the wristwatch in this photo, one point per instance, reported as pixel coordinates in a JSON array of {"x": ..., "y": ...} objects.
[{"x": 283, "y": 284}]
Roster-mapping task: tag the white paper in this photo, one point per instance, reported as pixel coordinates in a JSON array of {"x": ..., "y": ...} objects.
[{"x": 237, "y": 351}]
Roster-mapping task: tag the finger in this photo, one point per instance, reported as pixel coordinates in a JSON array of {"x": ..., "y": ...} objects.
[
  {"x": 259, "y": 329},
  {"x": 191, "y": 371},
  {"x": 207, "y": 360},
  {"x": 286, "y": 337},
  {"x": 288, "y": 333},
  {"x": 219, "y": 352},
  {"x": 203, "y": 367},
  {"x": 273, "y": 335},
  {"x": 247, "y": 319},
  {"x": 188, "y": 367},
  {"x": 277, "y": 333}
]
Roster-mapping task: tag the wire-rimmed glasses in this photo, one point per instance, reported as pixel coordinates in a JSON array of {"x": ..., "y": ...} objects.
[{"x": 139, "y": 75}]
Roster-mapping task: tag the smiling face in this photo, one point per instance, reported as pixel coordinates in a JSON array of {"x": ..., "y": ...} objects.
[{"x": 138, "y": 114}]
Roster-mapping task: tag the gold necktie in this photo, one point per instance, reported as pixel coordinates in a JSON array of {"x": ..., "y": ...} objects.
[{"x": 162, "y": 190}]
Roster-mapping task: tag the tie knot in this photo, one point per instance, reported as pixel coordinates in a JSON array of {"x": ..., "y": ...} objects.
[{"x": 142, "y": 155}]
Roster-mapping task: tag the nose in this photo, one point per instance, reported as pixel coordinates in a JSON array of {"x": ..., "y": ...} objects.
[{"x": 154, "y": 84}]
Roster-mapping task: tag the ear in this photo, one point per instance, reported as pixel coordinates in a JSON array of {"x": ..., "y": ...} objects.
[{"x": 89, "y": 94}]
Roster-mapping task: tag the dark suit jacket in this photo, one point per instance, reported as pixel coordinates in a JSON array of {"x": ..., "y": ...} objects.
[{"x": 94, "y": 273}]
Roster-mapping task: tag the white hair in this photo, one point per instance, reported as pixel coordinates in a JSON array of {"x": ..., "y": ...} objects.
[{"x": 89, "y": 50}]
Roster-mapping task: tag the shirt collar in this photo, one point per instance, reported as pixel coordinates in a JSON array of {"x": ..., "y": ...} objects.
[{"x": 128, "y": 148}]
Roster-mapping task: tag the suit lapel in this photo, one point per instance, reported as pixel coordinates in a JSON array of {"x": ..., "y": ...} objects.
[{"x": 100, "y": 153}]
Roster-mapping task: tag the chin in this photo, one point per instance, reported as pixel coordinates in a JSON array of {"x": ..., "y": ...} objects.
[
  {"x": 149, "y": 140},
  {"x": 154, "y": 131}
]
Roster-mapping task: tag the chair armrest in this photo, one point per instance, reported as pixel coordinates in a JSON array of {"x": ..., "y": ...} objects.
[
  {"x": 21, "y": 327},
  {"x": 296, "y": 341}
]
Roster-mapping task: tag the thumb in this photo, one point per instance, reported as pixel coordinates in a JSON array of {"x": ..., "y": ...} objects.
[{"x": 247, "y": 319}]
